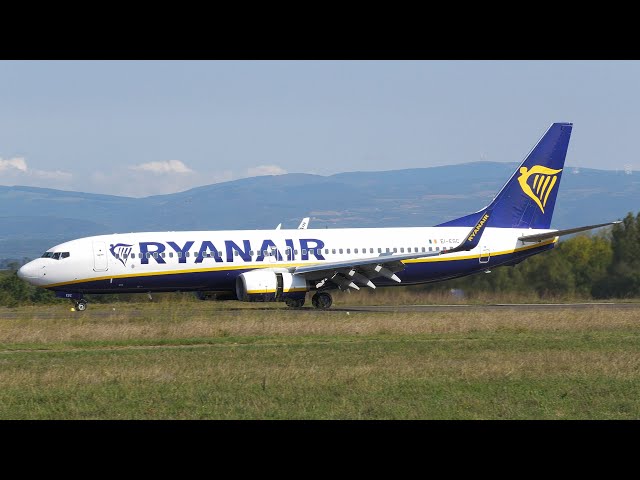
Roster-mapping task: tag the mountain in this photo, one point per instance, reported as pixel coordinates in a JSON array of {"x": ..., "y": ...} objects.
[{"x": 34, "y": 219}]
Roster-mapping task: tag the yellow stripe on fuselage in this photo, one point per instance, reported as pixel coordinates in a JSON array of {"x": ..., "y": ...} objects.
[{"x": 445, "y": 258}]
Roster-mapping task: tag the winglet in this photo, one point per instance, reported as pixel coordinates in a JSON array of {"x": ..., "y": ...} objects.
[
  {"x": 473, "y": 237},
  {"x": 304, "y": 223}
]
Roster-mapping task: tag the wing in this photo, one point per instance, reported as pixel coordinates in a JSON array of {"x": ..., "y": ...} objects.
[{"x": 358, "y": 273}]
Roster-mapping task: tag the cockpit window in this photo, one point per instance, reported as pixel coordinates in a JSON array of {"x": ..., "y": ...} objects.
[{"x": 55, "y": 255}]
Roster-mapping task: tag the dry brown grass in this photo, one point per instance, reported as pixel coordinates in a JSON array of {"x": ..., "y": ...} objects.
[
  {"x": 231, "y": 360},
  {"x": 162, "y": 321}
]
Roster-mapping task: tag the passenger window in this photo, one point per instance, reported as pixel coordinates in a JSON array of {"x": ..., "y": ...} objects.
[
  {"x": 333, "y": 251},
  {"x": 179, "y": 254},
  {"x": 251, "y": 252},
  {"x": 379, "y": 250},
  {"x": 162, "y": 254},
  {"x": 430, "y": 249},
  {"x": 423, "y": 249},
  {"x": 304, "y": 251},
  {"x": 187, "y": 254},
  {"x": 348, "y": 250},
  {"x": 170, "y": 254},
  {"x": 401, "y": 249},
  {"x": 395, "y": 250},
  {"x": 326, "y": 251},
  {"x": 437, "y": 249},
  {"x": 295, "y": 252},
  {"x": 340, "y": 250}
]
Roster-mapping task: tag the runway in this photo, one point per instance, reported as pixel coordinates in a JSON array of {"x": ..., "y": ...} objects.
[
  {"x": 497, "y": 306},
  {"x": 133, "y": 310}
]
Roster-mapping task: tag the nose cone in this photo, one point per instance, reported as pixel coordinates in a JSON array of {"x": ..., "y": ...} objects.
[
  {"x": 22, "y": 272},
  {"x": 31, "y": 272}
]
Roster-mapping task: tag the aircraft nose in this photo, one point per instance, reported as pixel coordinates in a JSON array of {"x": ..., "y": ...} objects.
[
  {"x": 29, "y": 271},
  {"x": 22, "y": 272}
]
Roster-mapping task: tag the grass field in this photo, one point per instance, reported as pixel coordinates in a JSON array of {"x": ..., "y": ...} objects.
[{"x": 206, "y": 360}]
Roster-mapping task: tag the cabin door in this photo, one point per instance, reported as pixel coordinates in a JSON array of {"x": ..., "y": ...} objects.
[{"x": 100, "y": 257}]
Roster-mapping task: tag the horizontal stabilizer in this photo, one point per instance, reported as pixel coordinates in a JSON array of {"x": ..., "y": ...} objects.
[{"x": 545, "y": 236}]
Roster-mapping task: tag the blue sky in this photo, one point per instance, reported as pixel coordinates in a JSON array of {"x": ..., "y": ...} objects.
[{"x": 147, "y": 127}]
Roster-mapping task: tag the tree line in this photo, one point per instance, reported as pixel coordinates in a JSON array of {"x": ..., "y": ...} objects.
[{"x": 599, "y": 266}]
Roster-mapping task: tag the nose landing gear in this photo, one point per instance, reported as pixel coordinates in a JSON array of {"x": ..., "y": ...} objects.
[{"x": 81, "y": 305}]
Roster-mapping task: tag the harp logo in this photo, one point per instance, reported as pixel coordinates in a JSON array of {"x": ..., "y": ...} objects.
[
  {"x": 537, "y": 183},
  {"x": 121, "y": 252}
]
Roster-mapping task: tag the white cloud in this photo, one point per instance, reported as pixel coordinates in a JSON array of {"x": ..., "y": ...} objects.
[
  {"x": 265, "y": 170},
  {"x": 168, "y": 166},
  {"x": 15, "y": 171},
  {"x": 16, "y": 163}
]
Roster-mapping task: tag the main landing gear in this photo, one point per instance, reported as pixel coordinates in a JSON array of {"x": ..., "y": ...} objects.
[
  {"x": 322, "y": 300},
  {"x": 294, "y": 302}
]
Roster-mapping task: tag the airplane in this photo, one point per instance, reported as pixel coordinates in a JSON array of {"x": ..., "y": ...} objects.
[{"x": 286, "y": 264}]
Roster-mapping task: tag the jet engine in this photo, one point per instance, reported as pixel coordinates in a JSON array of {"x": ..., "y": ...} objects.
[{"x": 270, "y": 286}]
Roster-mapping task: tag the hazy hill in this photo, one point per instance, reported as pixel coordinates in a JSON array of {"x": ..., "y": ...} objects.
[{"x": 33, "y": 219}]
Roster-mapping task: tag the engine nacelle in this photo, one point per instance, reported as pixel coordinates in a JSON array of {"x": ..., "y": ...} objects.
[{"x": 270, "y": 286}]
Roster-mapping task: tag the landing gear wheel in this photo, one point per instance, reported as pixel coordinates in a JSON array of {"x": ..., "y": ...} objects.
[
  {"x": 294, "y": 302},
  {"x": 81, "y": 305},
  {"x": 322, "y": 300}
]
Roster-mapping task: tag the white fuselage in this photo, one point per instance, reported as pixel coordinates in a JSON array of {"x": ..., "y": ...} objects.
[{"x": 201, "y": 260}]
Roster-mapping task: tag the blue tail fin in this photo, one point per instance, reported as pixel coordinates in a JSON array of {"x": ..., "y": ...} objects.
[{"x": 528, "y": 198}]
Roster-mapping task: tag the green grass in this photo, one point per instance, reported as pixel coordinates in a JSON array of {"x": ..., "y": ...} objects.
[{"x": 223, "y": 361}]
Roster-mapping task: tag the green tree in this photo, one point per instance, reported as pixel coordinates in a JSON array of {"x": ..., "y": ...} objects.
[
  {"x": 14, "y": 291},
  {"x": 623, "y": 273}
]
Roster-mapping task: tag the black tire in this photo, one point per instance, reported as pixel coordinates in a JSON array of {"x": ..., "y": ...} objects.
[
  {"x": 81, "y": 306},
  {"x": 322, "y": 300},
  {"x": 294, "y": 302}
]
